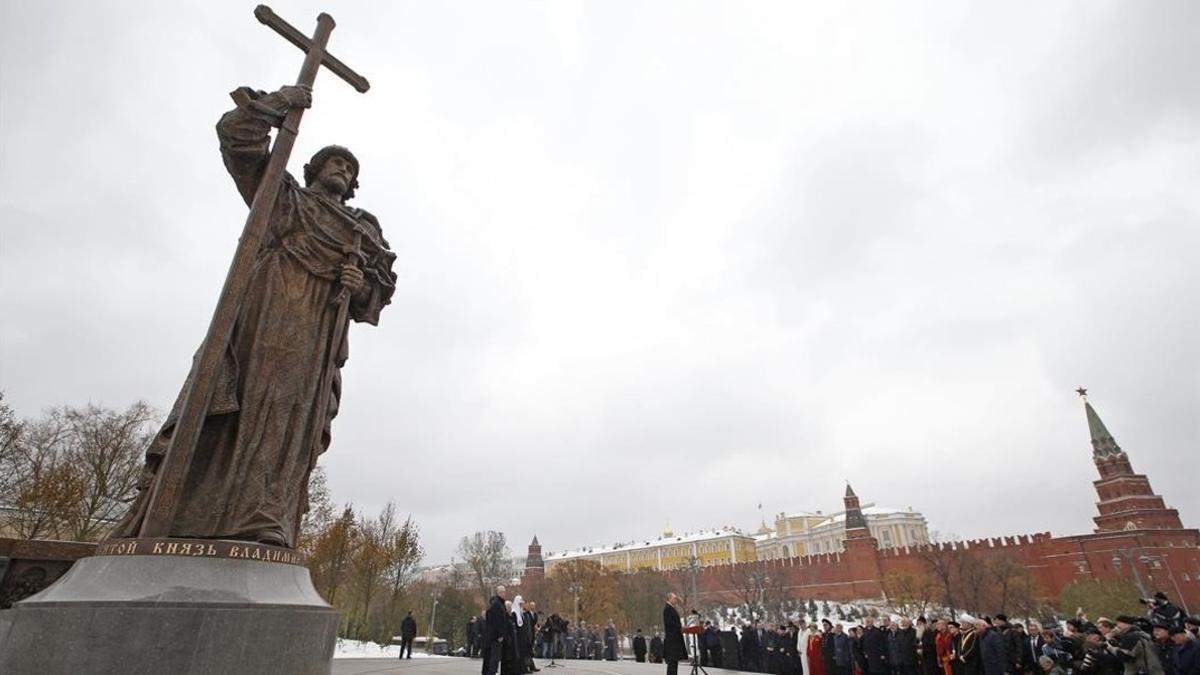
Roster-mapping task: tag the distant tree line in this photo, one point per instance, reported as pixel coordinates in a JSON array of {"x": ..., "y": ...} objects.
[{"x": 362, "y": 565}]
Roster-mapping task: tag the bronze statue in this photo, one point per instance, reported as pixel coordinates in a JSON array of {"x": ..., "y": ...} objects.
[{"x": 233, "y": 459}]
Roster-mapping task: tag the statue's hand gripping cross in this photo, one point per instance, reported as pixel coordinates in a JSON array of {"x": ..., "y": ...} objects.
[{"x": 164, "y": 497}]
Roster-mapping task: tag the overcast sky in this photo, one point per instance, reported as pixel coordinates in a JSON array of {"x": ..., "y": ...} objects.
[{"x": 656, "y": 260}]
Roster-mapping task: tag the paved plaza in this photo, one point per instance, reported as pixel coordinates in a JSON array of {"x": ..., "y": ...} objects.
[{"x": 461, "y": 666}]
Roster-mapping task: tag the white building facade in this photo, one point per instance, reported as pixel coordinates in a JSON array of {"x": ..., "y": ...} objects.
[{"x": 804, "y": 533}]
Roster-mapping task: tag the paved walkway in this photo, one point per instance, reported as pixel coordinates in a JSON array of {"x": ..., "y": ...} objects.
[{"x": 462, "y": 666}]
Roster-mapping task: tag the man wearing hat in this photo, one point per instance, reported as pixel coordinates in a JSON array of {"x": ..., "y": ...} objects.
[
  {"x": 1163, "y": 611},
  {"x": 1164, "y": 648},
  {"x": 1131, "y": 644},
  {"x": 968, "y": 647},
  {"x": 993, "y": 650},
  {"x": 1094, "y": 658},
  {"x": 1187, "y": 652}
]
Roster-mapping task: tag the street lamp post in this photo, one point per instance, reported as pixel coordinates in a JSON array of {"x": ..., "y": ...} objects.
[
  {"x": 760, "y": 582},
  {"x": 432, "y": 621},
  {"x": 1127, "y": 554},
  {"x": 576, "y": 588},
  {"x": 1171, "y": 575},
  {"x": 1118, "y": 554},
  {"x": 692, "y": 565}
]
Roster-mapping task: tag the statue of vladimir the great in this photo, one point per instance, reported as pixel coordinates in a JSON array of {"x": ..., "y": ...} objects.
[{"x": 279, "y": 382}]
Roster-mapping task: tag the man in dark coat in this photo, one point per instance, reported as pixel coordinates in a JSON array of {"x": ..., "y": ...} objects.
[
  {"x": 927, "y": 647},
  {"x": 827, "y": 646},
  {"x": 843, "y": 659},
  {"x": 1165, "y": 612},
  {"x": 639, "y": 646},
  {"x": 993, "y": 649},
  {"x": 905, "y": 642},
  {"x": 1031, "y": 648},
  {"x": 1187, "y": 652},
  {"x": 856, "y": 648},
  {"x": 470, "y": 643},
  {"x": 408, "y": 631},
  {"x": 875, "y": 648},
  {"x": 495, "y": 630},
  {"x": 656, "y": 648},
  {"x": 712, "y": 638},
  {"x": 763, "y": 635},
  {"x": 674, "y": 649},
  {"x": 792, "y": 649},
  {"x": 525, "y": 634},
  {"x": 749, "y": 648},
  {"x": 533, "y": 618},
  {"x": 510, "y": 652},
  {"x": 1013, "y": 642}
]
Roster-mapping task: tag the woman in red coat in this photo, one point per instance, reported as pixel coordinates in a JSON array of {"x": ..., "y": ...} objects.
[{"x": 812, "y": 651}]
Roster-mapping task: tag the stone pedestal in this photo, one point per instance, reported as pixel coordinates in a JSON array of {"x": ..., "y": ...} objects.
[{"x": 174, "y": 606}]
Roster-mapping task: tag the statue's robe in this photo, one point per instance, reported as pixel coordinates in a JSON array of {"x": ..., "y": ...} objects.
[{"x": 248, "y": 478}]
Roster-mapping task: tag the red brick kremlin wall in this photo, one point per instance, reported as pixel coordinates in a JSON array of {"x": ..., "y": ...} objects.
[
  {"x": 1133, "y": 526},
  {"x": 1168, "y": 560}
]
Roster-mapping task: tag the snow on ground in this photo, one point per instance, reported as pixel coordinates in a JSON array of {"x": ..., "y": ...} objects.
[{"x": 355, "y": 649}]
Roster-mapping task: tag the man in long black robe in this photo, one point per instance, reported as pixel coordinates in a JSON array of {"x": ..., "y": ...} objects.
[{"x": 639, "y": 647}]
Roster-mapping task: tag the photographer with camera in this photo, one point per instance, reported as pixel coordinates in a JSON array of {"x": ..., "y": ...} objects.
[
  {"x": 555, "y": 628},
  {"x": 1163, "y": 611},
  {"x": 1129, "y": 643},
  {"x": 1094, "y": 658}
]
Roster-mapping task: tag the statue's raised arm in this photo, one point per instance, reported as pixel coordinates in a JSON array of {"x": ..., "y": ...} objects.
[{"x": 245, "y": 132}]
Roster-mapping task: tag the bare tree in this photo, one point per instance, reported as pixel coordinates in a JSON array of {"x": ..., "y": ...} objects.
[
  {"x": 106, "y": 451},
  {"x": 488, "y": 557},
  {"x": 10, "y": 434},
  {"x": 402, "y": 552},
  {"x": 944, "y": 563},
  {"x": 71, "y": 473},
  {"x": 44, "y": 488},
  {"x": 752, "y": 586},
  {"x": 332, "y": 553},
  {"x": 973, "y": 580},
  {"x": 320, "y": 513},
  {"x": 909, "y": 594}
]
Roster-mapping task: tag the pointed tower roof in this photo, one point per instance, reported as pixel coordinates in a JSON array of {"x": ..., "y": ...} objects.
[
  {"x": 1103, "y": 444},
  {"x": 854, "y": 514},
  {"x": 1127, "y": 502},
  {"x": 535, "y": 541}
]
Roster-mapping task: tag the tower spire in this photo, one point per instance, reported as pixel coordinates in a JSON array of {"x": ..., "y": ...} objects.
[
  {"x": 1127, "y": 502},
  {"x": 535, "y": 565},
  {"x": 1103, "y": 443},
  {"x": 856, "y": 524}
]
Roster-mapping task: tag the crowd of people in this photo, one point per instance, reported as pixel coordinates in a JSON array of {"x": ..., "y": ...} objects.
[
  {"x": 512, "y": 633},
  {"x": 1162, "y": 643}
]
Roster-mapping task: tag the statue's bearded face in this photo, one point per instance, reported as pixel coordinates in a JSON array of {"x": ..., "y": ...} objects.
[{"x": 335, "y": 175}]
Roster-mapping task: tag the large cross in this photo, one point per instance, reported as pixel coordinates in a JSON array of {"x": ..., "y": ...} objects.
[{"x": 164, "y": 496}]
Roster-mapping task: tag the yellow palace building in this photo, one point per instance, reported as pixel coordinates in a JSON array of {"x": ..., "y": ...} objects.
[{"x": 670, "y": 551}]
